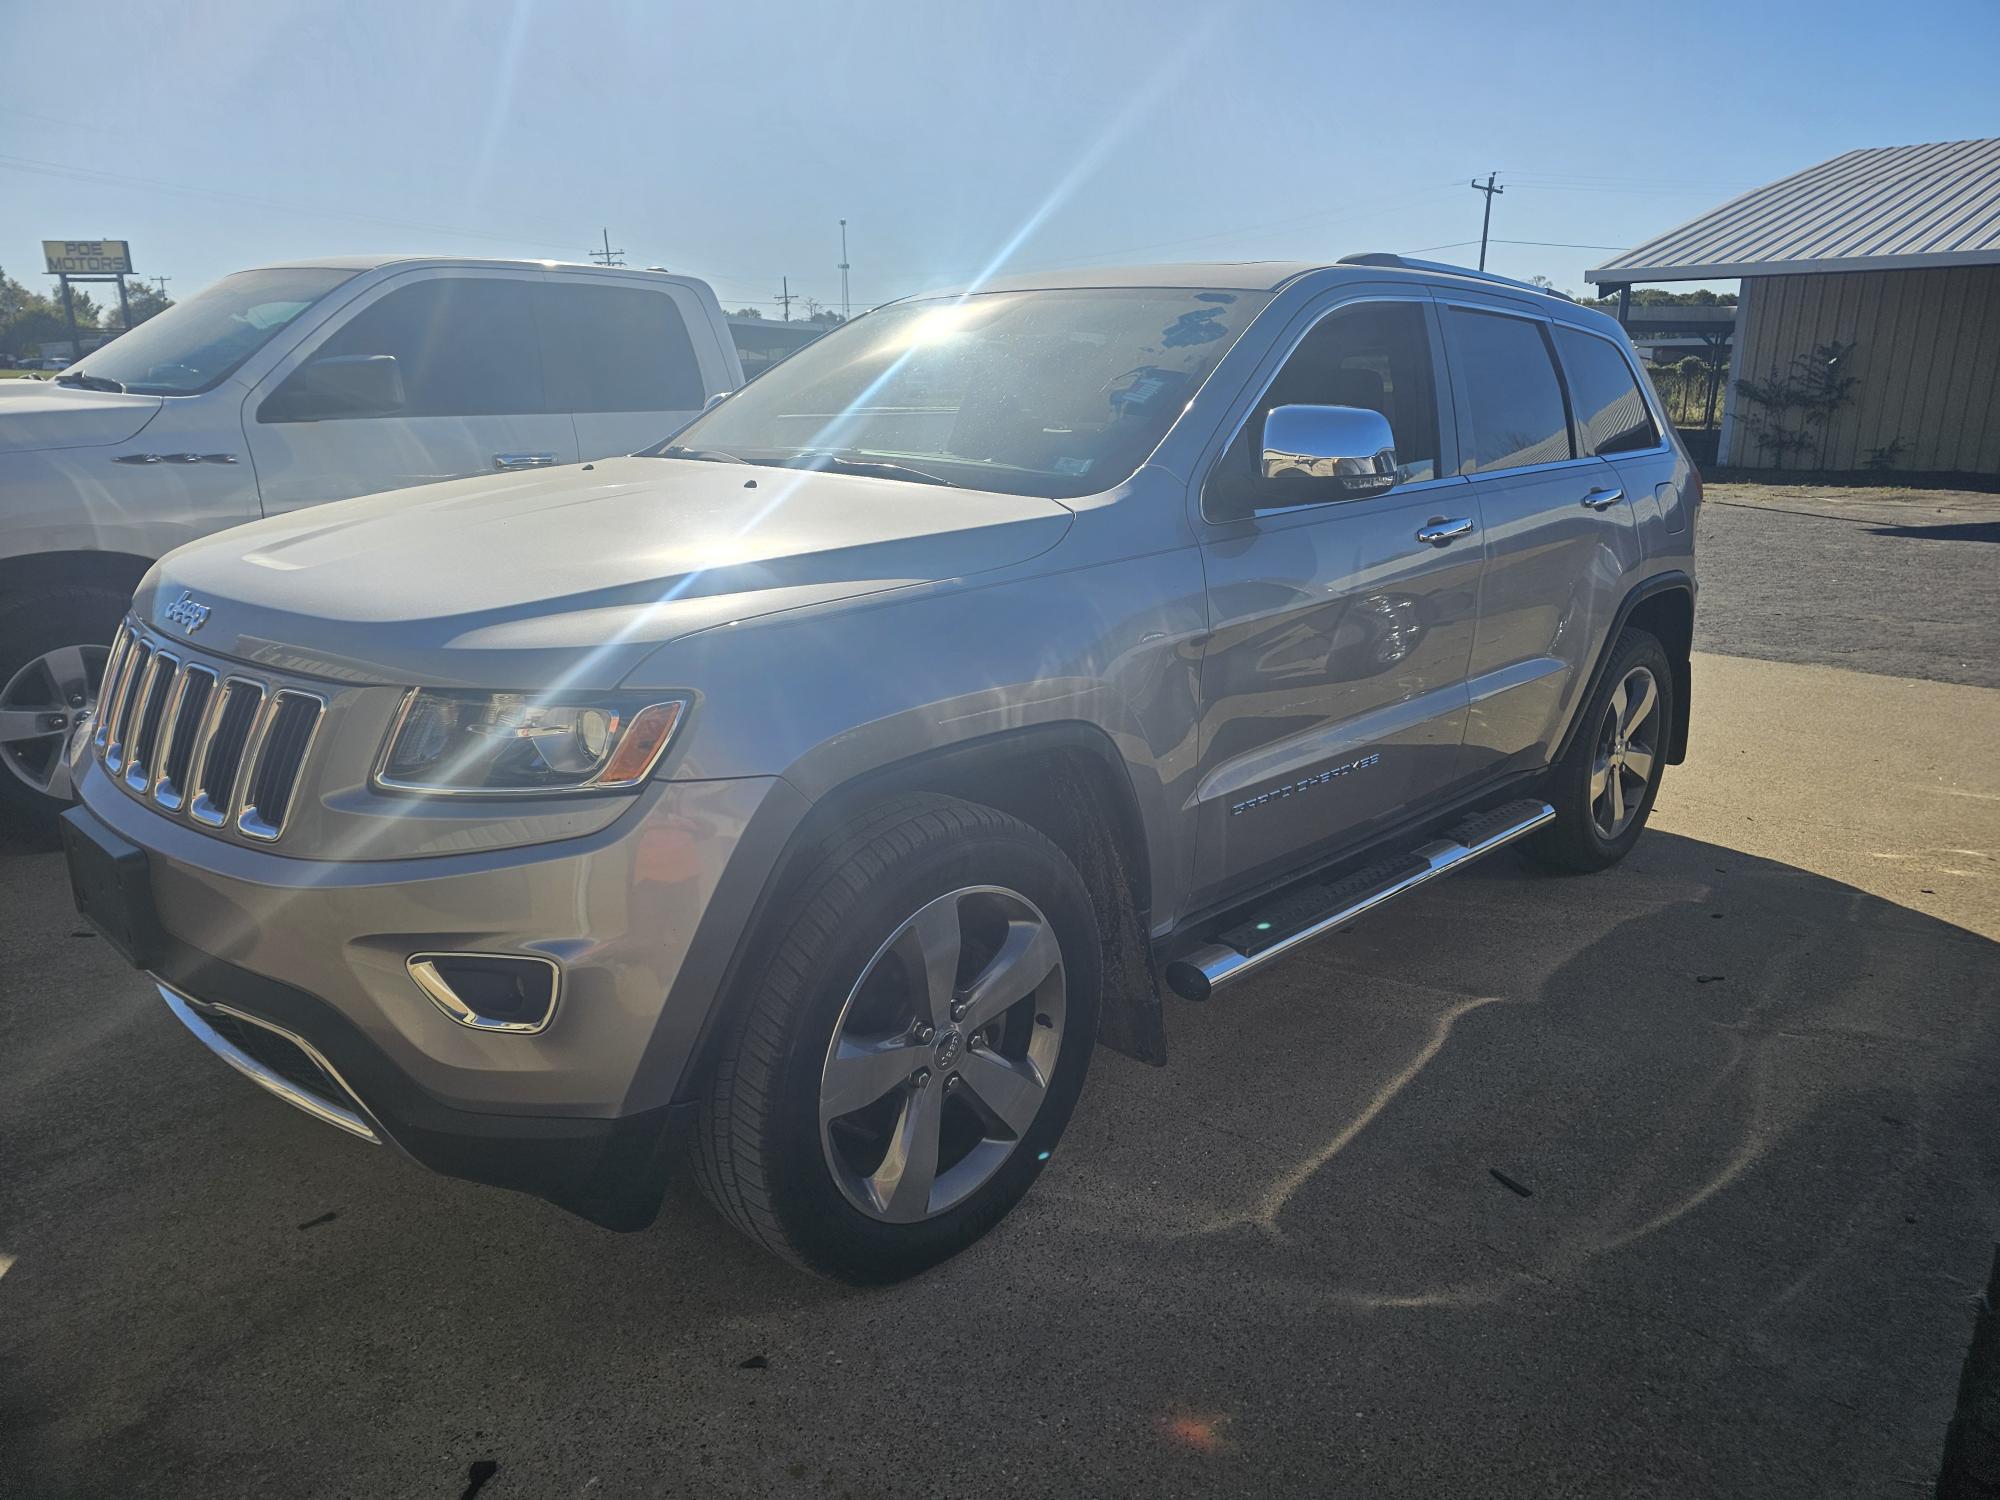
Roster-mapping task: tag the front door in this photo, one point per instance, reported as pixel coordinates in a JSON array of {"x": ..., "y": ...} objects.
[
  {"x": 1333, "y": 681},
  {"x": 462, "y": 358}
]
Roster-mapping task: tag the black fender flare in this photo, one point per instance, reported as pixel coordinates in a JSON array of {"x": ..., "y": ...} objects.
[{"x": 1659, "y": 584}]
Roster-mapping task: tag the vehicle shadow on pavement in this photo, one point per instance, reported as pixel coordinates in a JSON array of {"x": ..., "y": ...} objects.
[{"x": 1675, "y": 1179}]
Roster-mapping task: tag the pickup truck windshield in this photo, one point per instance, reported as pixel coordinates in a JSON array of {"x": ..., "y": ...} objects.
[
  {"x": 1057, "y": 393},
  {"x": 195, "y": 345}
]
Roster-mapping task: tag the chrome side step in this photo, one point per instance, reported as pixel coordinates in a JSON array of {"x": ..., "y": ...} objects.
[{"x": 1312, "y": 911}]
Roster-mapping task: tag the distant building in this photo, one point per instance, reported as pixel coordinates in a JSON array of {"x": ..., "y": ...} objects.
[
  {"x": 1894, "y": 250},
  {"x": 762, "y": 342}
]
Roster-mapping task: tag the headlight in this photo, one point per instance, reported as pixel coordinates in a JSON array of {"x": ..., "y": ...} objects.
[{"x": 518, "y": 742}]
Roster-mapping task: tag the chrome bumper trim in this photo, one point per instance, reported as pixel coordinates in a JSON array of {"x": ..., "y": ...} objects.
[{"x": 350, "y": 1117}]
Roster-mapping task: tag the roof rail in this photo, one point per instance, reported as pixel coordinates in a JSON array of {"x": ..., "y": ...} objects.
[{"x": 1384, "y": 258}]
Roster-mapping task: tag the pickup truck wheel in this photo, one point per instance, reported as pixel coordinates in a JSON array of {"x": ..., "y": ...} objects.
[
  {"x": 1604, "y": 786},
  {"x": 53, "y": 648},
  {"x": 903, "y": 1066}
]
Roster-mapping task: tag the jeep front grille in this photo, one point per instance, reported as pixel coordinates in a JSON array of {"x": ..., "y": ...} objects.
[{"x": 203, "y": 742}]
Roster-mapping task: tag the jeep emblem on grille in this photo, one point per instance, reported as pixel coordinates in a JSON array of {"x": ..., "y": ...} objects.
[{"x": 187, "y": 612}]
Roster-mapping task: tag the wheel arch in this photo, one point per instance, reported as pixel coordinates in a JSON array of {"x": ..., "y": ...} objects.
[
  {"x": 1066, "y": 780},
  {"x": 108, "y": 569},
  {"x": 1662, "y": 606}
]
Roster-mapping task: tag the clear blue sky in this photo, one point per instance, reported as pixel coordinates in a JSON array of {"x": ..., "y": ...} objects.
[{"x": 728, "y": 140}]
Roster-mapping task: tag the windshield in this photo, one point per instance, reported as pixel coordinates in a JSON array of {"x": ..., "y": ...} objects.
[
  {"x": 195, "y": 345},
  {"x": 1057, "y": 393}
]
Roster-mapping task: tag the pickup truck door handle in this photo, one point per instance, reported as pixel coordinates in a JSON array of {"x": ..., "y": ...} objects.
[
  {"x": 1444, "y": 533},
  {"x": 524, "y": 460},
  {"x": 1601, "y": 498}
]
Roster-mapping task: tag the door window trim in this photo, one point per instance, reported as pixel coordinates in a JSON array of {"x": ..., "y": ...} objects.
[
  {"x": 1444, "y": 398},
  {"x": 1546, "y": 326},
  {"x": 1639, "y": 378},
  {"x": 274, "y": 377}
]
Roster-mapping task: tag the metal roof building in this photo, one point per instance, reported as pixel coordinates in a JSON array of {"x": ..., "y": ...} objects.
[{"x": 1876, "y": 273}]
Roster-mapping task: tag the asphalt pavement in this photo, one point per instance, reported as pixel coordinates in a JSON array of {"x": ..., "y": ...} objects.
[{"x": 1677, "y": 1180}]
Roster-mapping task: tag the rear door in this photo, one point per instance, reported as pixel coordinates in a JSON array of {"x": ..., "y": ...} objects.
[
  {"x": 1559, "y": 538},
  {"x": 1333, "y": 680},
  {"x": 631, "y": 359},
  {"x": 472, "y": 399}
]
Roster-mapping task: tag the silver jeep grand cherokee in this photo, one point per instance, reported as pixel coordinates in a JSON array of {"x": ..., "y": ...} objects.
[{"x": 810, "y": 792}]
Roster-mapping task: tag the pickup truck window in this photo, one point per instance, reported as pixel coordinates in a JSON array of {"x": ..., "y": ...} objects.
[
  {"x": 1613, "y": 416},
  {"x": 464, "y": 346},
  {"x": 617, "y": 348},
  {"x": 1518, "y": 416},
  {"x": 1058, "y": 393},
  {"x": 196, "y": 345}
]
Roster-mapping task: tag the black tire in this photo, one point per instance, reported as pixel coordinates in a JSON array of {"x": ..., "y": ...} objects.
[
  {"x": 1575, "y": 842},
  {"x": 757, "y": 1149},
  {"x": 33, "y": 623}
]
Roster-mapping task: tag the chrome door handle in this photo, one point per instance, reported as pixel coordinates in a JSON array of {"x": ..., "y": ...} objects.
[
  {"x": 1443, "y": 533},
  {"x": 1603, "y": 499},
  {"x": 524, "y": 460}
]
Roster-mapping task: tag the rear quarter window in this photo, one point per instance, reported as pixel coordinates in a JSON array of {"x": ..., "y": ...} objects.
[
  {"x": 1610, "y": 410},
  {"x": 618, "y": 348}
]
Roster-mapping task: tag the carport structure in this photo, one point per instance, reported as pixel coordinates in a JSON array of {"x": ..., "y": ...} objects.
[{"x": 1893, "y": 255}]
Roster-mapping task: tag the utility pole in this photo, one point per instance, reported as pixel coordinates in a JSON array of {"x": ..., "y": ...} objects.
[
  {"x": 1486, "y": 223},
  {"x": 785, "y": 296},
  {"x": 161, "y": 283},
  {"x": 607, "y": 256},
  {"x": 845, "y": 309}
]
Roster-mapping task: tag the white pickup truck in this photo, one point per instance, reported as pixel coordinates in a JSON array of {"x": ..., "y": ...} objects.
[{"x": 294, "y": 384}]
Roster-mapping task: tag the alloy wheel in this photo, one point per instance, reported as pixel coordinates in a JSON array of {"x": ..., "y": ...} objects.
[
  {"x": 1627, "y": 752},
  {"x": 40, "y": 705},
  {"x": 943, "y": 1054}
]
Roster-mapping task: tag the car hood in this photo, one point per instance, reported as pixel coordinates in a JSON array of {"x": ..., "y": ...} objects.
[
  {"x": 42, "y": 414},
  {"x": 577, "y": 573}
]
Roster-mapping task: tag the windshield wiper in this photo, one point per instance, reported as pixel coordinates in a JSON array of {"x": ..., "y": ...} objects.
[
  {"x": 702, "y": 455},
  {"x": 871, "y": 468},
  {"x": 90, "y": 382}
]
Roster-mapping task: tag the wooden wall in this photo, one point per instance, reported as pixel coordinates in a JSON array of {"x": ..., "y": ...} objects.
[{"x": 1927, "y": 354}]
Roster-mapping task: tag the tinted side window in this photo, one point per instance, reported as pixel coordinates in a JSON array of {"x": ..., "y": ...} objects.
[
  {"x": 1517, "y": 416},
  {"x": 618, "y": 348},
  {"x": 463, "y": 346},
  {"x": 1609, "y": 409},
  {"x": 1375, "y": 355}
]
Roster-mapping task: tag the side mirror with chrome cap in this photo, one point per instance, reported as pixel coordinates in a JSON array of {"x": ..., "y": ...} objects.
[
  {"x": 1342, "y": 451},
  {"x": 1310, "y": 455}
]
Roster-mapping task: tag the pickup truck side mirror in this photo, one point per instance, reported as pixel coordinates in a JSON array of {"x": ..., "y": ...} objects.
[{"x": 338, "y": 385}]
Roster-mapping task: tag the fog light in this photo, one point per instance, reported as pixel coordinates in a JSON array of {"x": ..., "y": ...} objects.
[{"x": 490, "y": 991}]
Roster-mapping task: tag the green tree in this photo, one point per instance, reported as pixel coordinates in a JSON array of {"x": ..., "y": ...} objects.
[
  {"x": 144, "y": 301},
  {"x": 29, "y": 319},
  {"x": 746, "y": 312}
]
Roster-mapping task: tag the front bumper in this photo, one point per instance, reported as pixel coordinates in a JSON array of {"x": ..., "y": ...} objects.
[{"x": 643, "y": 917}]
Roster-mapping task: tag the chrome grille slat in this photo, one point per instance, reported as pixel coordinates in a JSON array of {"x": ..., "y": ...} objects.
[
  {"x": 137, "y": 669},
  {"x": 223, "y": 749},
  {"x": 187, "y": 715},
  {"x": 107, "y": 693},
  {"x": 271, "y": 778},
  {"x": 215, "y": 782},
  {"x": 162, "y": 677}
]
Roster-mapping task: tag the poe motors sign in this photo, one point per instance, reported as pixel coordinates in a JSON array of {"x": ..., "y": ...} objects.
[{"x": 88, "y": 257}]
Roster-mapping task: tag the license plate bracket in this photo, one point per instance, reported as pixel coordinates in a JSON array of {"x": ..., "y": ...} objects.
[{"x": 111, "y": 883}]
